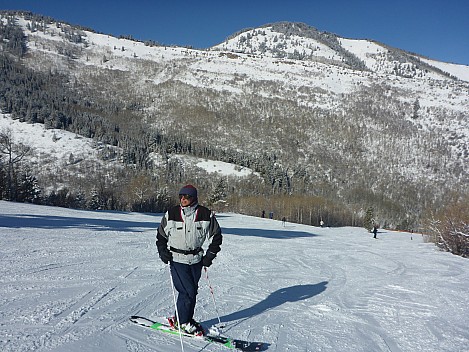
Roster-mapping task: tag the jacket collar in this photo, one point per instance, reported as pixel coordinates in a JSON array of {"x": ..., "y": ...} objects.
[{"x": 189, "y": 210}]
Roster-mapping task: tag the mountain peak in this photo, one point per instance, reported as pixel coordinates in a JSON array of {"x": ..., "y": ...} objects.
[{"x": 300, "y": 41}]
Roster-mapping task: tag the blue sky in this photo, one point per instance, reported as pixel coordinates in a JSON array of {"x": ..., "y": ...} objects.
[{"x": 437, "y": 29}]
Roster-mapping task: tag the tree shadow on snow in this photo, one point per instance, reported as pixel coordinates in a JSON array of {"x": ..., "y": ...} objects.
[
  {"x": 267, "y": 233},
  {"x": 65, "y": 222},
  {"x": 275, "y": 299}
]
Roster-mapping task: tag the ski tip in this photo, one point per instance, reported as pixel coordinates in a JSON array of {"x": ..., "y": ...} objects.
[{"x": 136, "y": 317}]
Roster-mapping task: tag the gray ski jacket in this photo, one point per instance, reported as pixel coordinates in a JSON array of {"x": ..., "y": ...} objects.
[{"x": 184, "y": 231}]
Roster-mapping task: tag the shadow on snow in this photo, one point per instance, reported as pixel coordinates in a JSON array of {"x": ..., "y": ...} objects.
[
  {"x": 64, "y": 222},
  {"x": 275, "y": 299},
  {"x": 268, "y": 233}
]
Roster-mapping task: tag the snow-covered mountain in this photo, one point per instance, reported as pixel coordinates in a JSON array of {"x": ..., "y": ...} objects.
[
  {"x": 309, "y": 111},
  {"x": 71, "y": 279},
  {"x": 302, "y": 42}
]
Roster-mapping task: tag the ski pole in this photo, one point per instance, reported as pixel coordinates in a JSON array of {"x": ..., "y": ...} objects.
[
  {"x": 176, "y": 307},
  {"x": 213, "y": 297}
]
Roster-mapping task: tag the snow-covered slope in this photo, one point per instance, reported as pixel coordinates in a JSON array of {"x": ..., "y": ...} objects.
[
  {"x": 70, "y": 279},
  {"x": 302, "y": 42},
  {"x": 459, "y": 71},
  {"x": 55, "y": 149}
]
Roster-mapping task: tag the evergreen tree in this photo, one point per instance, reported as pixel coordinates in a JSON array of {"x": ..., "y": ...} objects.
[
  {"x": 28, "y": 189},
  {"x": 369, "y": 220},
  {"x": 218, "y": 193},
  {"x": 415, "y": 109},
  {"x": 95, "y": 202}
]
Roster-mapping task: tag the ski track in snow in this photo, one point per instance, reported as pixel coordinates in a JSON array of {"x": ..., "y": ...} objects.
[{"x": 70, "y": 280}]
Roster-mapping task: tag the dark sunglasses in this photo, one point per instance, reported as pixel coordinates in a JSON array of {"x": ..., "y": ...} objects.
[{"x": 185, "y": 196}]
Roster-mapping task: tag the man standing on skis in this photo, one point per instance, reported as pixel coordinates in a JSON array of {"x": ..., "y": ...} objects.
[{"x": 179, "y": 239}]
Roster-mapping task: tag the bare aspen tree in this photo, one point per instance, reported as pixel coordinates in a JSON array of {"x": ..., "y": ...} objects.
[{"x": 14, "y": 152}]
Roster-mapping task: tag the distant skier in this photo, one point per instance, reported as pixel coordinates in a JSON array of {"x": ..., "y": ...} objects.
[
  {"x": 180, "y": 236},
  {"x": 321, "y": 223},
  {"x": 284, "y": 219},
  {"x": 375, "y": 231}
]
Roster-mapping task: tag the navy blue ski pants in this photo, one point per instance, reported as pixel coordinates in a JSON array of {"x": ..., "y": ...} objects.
[{"x": 186, "y": 281}]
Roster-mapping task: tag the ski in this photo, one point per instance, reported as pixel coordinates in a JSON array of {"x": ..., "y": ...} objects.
[{"x": 228, "y": 342}]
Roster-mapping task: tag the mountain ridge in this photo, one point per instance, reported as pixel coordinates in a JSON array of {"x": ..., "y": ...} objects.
[{"x": 330, "y": 40}]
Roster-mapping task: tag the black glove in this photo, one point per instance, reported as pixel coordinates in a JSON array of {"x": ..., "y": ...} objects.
[
  {"x": 165, "y": 255},
  {"x": 208, "y": 258}
]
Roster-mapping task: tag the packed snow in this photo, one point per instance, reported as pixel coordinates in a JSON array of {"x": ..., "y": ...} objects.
[{"x": 71, "y": 279}]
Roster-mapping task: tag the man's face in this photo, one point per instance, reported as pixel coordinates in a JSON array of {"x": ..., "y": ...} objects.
[{"x": 185, "y": 200}]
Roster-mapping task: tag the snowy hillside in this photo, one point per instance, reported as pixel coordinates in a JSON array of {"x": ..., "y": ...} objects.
[
  {"x": 291, "y": 110},
  {"x": 55, "y": 149},
  {"x": 299, "y": 41},
  {"x": 70, "y": 279}
]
